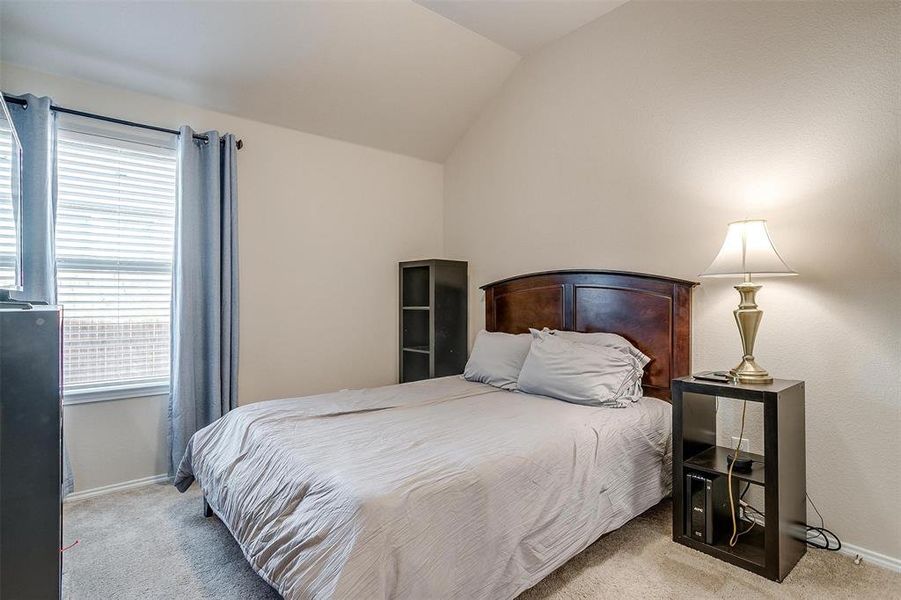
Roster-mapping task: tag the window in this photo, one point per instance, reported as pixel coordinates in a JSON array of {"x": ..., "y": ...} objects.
[
  {"x": 8, "y": 214},
  {"x": 114, "y": 246}
]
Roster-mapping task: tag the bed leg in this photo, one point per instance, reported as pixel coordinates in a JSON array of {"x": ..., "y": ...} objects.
[{"x": 207, "y": 511}]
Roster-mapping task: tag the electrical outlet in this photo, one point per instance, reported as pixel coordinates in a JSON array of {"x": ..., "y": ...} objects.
[{"x": 745, "y": 444}]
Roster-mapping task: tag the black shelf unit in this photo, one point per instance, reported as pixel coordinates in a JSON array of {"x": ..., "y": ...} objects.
[
  {"x": 30, "y": 453},
  {"x": 772, "y": 549},
  {"x": 433, "y": 318}
]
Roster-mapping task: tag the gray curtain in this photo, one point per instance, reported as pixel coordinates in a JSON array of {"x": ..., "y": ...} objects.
[
  {"x": 36, "y": 125},
  {"x": 204, "y": 289}
]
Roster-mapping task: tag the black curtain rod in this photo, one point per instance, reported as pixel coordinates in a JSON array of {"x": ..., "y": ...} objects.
[{"x": 81, "y": 113}]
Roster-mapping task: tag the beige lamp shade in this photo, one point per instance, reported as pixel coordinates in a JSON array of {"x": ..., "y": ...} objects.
[{"x": 747, "y": 250}]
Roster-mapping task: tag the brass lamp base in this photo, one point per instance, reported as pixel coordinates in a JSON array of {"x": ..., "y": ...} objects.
[
  {"x": 749, "y": 371},
  {"x": 748, "y": 318}
]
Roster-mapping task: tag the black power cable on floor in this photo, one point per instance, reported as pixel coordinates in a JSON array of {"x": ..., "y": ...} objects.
[
  {"x": 817, "y": 537},
  {"x": 821, "y": 532}
]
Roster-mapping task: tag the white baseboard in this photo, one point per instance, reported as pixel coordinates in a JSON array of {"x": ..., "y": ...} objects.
[
  {"x": 117, "y": 487},
  {"x": 871, "y": 558}
]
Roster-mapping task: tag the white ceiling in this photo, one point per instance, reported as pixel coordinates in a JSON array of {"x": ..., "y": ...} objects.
[
  {"x": 522, "y": 25},
  {"x": 390, "y": 74}
]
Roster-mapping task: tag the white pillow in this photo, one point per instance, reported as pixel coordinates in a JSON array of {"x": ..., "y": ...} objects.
[
  {"x": 497, "y": 358},
  {"x": 587, "y": 374},
  {"x": 610, "y": 340}
]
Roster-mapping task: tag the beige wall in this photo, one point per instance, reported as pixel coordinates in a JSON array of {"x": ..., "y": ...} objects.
[
  {"x": 322, "y": 225},
  {"x": 630, "y": 144},
  {"x": 116, "y": 441}
]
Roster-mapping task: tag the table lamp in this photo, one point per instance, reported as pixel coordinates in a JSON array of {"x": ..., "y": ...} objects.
[{"x": 748, "y": 250}]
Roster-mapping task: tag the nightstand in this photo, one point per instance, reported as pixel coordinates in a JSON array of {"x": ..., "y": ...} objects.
[{"x": 771, "y": 550}]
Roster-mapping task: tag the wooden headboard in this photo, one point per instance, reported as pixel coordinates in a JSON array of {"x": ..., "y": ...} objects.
[{"x": 652, "y": 312}]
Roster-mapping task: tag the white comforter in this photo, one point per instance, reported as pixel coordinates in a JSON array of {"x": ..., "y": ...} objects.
[{"x": 436, "y": 489}]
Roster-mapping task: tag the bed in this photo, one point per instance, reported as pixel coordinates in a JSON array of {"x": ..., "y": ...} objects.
[{"x": 448, "y": 488}]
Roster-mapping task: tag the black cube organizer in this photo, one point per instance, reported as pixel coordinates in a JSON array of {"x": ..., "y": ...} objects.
[
  {"x": 433, "y": 318},
  {"x": 770, "y": 550}
]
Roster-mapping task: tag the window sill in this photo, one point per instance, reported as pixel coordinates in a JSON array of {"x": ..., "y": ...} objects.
[{"x": 105, "y": 394}]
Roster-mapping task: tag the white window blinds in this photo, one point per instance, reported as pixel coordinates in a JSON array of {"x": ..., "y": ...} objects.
[
  {"x": 8, "y": 240},
  {"x": 114, "y": 246}
]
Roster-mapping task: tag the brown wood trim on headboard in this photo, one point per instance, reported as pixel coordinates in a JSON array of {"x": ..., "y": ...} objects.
[{"x": 652, "y": 312}]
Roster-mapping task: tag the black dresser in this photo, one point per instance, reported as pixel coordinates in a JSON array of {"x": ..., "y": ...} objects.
[{"x": 30, "y": 453}]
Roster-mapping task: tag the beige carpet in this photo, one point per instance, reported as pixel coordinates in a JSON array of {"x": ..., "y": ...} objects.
[{"x": 154, "y": 543}]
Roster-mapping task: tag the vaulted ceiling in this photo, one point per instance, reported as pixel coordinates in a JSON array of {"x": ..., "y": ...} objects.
[
  {"x": 395, "y": 74},
  {"x": 522, "y": 25}
]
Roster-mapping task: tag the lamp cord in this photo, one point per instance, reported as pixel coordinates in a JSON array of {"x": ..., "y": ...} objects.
[{"x": 735, "y": 533}]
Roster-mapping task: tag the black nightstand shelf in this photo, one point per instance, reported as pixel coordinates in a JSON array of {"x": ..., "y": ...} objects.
[
  {"x": 772, "y": 549},
  {"x": 713, "y": 460}
]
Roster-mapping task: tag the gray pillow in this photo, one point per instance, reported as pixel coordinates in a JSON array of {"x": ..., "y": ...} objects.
[
  {"x": 611, "y": 340},
  {"x": 588, "y": 374},
  {"x": 497, "y": 358}
]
